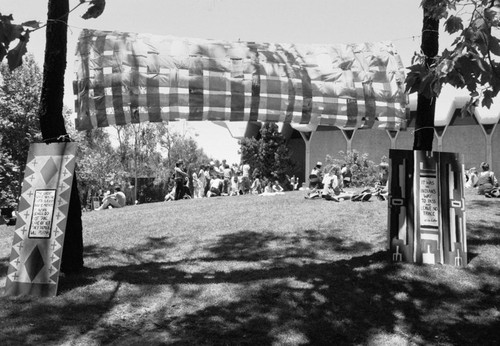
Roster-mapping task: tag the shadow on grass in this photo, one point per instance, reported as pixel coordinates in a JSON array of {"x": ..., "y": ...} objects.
[
  {"x": 257, "y": 246},
  {"x": 485, "y": 204},
  {"x": 483, "y": 233},
  {"x": 290, "y": 297},
  {"x": 4, "y": 264}
]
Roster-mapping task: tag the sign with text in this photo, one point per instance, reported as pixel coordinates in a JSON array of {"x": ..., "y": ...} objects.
[
  {"x": 428, "y": 202},
  {"x": 43, "y": 209},
  {"x": 42, "y": 213}
]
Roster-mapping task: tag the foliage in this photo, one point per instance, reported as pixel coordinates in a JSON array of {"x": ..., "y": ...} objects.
[
  {"x": 9, "y": 181},
  {"x": 153, "y": 148},
  {"x": 98, "y": 163},
  {"x": 364, "y": 171},
  {"x": 19, "y": 126},
  {"x": 472, "y": 61},
  {"x": 19, "y": 33},
  {"x": 268, "y": 154},
  {"x": 104, "y": 158}
]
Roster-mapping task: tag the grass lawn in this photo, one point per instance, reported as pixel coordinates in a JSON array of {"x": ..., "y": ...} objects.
[{"x": 254, "y": 270}]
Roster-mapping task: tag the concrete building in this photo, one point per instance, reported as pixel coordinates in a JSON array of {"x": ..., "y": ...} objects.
[{"x": 473, "y": 136}]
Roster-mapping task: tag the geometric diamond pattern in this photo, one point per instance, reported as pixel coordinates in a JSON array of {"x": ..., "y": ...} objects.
[
  {"x": 34, "y": 263},
  {"x": 49, "y": 170}
]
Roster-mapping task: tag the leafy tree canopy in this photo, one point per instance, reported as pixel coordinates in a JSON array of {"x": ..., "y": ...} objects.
[
  {"x": 267, "y": 154},
  {"x": 473, "y": 59},
  {"x": 19, "y": 125}
]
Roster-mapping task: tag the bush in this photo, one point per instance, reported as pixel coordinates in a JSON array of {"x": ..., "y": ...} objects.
[{"x": 364, "y": 172}]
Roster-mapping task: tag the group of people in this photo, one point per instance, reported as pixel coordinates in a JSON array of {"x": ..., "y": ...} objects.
[
  {"x": 223, "y": 180},
  {"x": 330, "y": 184},
  {"x": 485, "y": 181}
]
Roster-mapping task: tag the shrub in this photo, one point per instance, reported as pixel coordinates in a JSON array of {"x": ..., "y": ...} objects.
[{"x": 364, "y": 171}]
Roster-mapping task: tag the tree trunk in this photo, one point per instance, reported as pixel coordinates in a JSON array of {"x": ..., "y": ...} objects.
[
  {"x": 424, "y": 122},
  {"x": 52, "y": 122}
]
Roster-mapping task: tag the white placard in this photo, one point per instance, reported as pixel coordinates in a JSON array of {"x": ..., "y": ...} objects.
[
  {"x": 43, "y": 210},
  {"x": 429, "y": 211}
]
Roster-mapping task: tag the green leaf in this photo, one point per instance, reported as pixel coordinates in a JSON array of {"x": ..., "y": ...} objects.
[
  {"x": 412, "y": 82},
  {"x": 453, "y": 24},
  {"x": 482, "y": 42},
  {"x": 15, "y": 55},
  {"x": 95, "y": 9},
  {"x": 487, "y": 100},
  {"x": 10, "y": 32},
  {"x": 3, "y": 52},
  {"x": 34, "y": 24},
  {"x": 494, "y": 45}
]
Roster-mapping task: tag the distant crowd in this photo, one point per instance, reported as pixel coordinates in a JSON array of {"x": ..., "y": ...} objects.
[
  {"x": 329, "y": 183},
  {"x": 213, "y": 180}
]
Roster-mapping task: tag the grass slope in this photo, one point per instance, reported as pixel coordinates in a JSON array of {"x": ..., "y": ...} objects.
[{"x": 254, "y": 270}]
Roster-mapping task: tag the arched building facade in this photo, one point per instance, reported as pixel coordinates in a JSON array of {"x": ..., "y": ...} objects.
[{"x": 475, "y": 136}]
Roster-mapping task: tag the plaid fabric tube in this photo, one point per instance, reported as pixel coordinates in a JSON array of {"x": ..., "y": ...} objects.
[{"x": 124, "y": 78}]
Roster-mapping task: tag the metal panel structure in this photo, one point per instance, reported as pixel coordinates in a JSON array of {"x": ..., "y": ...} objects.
[{"x": 426, "y": 218}]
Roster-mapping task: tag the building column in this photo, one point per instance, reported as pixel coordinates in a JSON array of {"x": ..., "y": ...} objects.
[
  {"x": 348, "y": 135},
  {"x": 307, "y": 136},
  {"x": 393, "y": 136},
  {"x": 439, "y": 132},
  {"x": 488, "y": 130},
  {"x": 488, "y": 120}
]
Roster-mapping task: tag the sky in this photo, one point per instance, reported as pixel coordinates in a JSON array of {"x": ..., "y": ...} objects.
[{"x": 279, "y": 21}]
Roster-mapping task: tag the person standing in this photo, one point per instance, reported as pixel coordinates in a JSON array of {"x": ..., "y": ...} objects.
[
  {"x": 207, "y": 180},
  {"x": 203, "y": 181},
  {"x": 180, "y": 177},
  {"x": 226, "y": 173},
  {"x": 245, "y": 168}
]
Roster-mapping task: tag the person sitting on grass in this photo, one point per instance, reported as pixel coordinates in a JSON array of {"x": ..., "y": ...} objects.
[
  {"x": 114, "y": 200},
  {"x": 256, "y": 187},
  {"x": 268, "y": 190},
  {"x": 277, "y": 188},
  {"x": 332, "y": 189},
  {"x": 487, "y": 182},
  {"x": 171, "y": 195},
  {"x": 216, "y": 185},
  {"x": 316, "y": 177},
  {"x": 470, "y": 178}
]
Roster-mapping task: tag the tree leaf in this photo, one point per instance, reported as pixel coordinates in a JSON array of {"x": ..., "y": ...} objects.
[
  {"x": 34, "y": 24},
  {"x": 487, "y": 100},
  {"x": 15, "y": 55},
  {"x": 95, "y": 9},
  {"x": 10, "y": 32},
  {"x": 453, "y": 24},
  {"x": 3, "y": 52},
  {"x": 494, "y": 45},
  {"x": 412, "y": 82}
]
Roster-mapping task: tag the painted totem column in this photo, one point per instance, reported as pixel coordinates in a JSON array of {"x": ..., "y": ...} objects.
[
  {"x": 38, "y": 240},
  {"x": 426, "y": 216}
]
